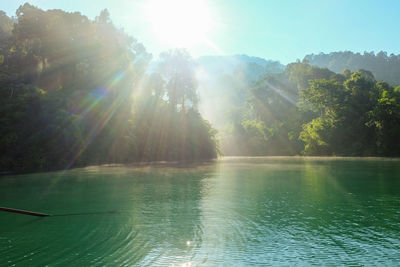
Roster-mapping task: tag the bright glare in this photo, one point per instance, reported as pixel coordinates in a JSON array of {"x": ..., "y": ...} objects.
[{"x": 180, "y": 23}]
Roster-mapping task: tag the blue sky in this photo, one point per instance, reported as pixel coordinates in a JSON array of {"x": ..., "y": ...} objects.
[{"x": 281, "y": 30}]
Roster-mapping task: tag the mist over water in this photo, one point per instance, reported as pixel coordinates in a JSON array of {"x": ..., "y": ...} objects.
[{"x": 233, "y": 212}]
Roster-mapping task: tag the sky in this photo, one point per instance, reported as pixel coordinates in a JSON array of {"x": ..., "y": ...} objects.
[{"x": 279, "y": 30}]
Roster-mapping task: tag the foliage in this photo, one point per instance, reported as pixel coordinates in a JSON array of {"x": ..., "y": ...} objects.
[
  {"x": 383, "y": 66},
  {"x": 313, "y": 111},
  {"x": 177, "y": 68},
  {"x": 67, "y": 85}
]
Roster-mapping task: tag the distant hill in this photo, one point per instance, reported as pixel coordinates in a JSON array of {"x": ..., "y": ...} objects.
[
  {"x": 228, "y": 64},
  {"x": 383, "y": 67},
  {"x": 219, "y": 65}
]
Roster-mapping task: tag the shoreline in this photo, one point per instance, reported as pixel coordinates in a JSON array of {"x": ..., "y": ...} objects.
[{"x": 193, "y": 163}]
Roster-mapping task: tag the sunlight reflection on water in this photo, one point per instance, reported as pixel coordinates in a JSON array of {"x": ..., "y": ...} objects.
[{"x": 234, "y": 211}]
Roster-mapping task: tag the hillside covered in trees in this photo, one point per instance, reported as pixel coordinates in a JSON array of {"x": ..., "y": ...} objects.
[
  {"x": 77, "y": 92},
  {"x": 314, "y": 111},
  {"x": 383, "y": 66}
]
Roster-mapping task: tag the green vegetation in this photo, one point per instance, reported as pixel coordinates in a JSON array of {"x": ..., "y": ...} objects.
[
  {"x": 314, "y": 111},
  {"x": 75, "y": 92},
  {"x": 383, "y": 66}
]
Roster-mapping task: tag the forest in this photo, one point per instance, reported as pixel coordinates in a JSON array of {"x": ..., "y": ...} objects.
[
  {"x": 75, "y": 92},
  {"x": 384, "y": 67},
  {"x": 313, "y": 111},
  {"x": 78, "y": 92}
]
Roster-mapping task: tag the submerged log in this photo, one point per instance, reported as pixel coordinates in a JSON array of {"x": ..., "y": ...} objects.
[{"x": 25, "y": 212}]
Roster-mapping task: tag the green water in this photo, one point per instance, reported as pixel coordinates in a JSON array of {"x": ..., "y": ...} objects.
[{"x": 232, "y": 212}]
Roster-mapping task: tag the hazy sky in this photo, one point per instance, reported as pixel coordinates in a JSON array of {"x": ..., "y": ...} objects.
[{"x": 280, "y": 30}]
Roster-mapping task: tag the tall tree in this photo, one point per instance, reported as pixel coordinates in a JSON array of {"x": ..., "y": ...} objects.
[{"x": 178, "y": 69}]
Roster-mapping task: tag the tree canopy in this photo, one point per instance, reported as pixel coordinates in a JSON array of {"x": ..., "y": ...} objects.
[
  {"x": 383, "y": 66},
  {"x": 72, "y": 95},
  {"x": 314, "y": 111}
]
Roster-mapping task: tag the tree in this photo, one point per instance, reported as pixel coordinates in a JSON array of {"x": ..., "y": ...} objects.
[
  {"x": 384, "y": 118},
  {"x": 65, "y": 81},
  {"x": 178, "y": 70}
]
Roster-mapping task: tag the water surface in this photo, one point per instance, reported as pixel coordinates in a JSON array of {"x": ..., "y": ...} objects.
[{"x": 232, "y": 212}]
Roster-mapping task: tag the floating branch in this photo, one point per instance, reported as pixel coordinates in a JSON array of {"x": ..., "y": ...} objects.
[
  {"x": 32, "y": 213},
  {"x": 25, "y": 212}
]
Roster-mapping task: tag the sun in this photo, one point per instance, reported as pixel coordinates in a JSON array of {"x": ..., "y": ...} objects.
[{"x": 179, "y": 23}]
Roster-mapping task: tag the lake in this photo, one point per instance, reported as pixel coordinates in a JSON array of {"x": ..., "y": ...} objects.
[{"x": 229, "y": 212}]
